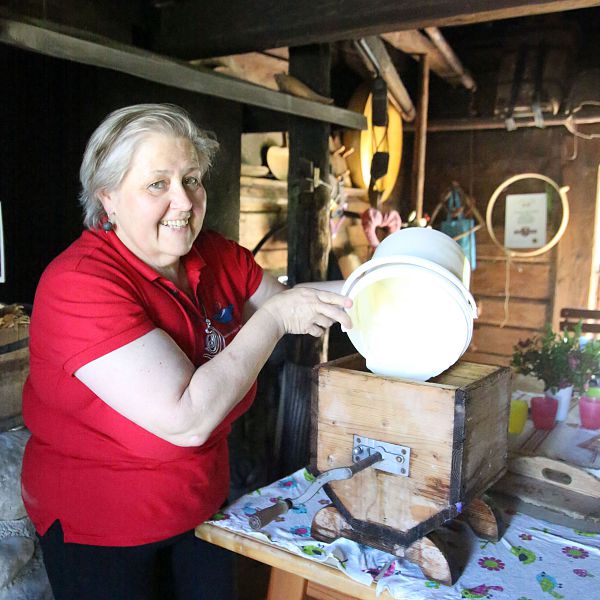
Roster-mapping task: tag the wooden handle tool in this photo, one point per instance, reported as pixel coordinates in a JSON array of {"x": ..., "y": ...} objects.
[{"x": 264, "y": 516}]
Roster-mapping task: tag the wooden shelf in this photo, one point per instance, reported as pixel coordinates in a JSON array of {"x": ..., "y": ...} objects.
[{"x": 80, "y": 46}]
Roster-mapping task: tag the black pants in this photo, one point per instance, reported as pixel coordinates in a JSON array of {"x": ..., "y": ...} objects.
[{"x": 180, "y": 568}]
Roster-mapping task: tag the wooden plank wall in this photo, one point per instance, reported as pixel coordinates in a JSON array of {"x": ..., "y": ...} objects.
[
  {"x": 529, "y": 292},
  {"x": 577, "y": 254},
  {"x": 263, "y": 206},
  {"x": 531, "y": 280},
  {"x": 538, "y": 287}
]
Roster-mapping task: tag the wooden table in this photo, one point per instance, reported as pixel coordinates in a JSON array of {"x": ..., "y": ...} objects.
[{"x": 293, "y": 577}]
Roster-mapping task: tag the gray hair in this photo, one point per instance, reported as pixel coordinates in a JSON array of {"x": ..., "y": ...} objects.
[{"x": 109, "y": 151}]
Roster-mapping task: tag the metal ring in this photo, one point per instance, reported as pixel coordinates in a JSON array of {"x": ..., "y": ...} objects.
[{"x": 562, "y": 193}]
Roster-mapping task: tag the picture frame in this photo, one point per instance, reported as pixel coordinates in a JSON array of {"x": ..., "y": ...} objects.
[{"x": 525, "y": 220}]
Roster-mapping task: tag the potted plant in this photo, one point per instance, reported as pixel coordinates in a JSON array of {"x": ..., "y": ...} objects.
[{"x": 563, "y": 361}]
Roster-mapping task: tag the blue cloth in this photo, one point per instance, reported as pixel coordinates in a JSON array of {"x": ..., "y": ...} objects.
[{"x": 455, "y": 224}]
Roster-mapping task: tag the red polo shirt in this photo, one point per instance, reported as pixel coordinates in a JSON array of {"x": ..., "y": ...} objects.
[{"x": 109, "y": 481}]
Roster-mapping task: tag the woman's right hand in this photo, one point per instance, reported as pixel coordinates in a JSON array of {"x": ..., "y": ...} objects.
[{"x": 306, "y": 310}]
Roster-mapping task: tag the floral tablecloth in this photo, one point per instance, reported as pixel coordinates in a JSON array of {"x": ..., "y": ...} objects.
[{"x": 534, "y": 560}]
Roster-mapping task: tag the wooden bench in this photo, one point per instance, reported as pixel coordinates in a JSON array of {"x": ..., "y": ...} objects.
[{"x": 569, "y": 317}]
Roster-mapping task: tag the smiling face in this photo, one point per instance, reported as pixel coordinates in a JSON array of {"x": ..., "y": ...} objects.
[{"x": 159, "y": 207}]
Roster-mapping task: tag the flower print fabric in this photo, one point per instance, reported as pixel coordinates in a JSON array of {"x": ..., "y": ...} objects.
[{"x": 534, "y": 560}]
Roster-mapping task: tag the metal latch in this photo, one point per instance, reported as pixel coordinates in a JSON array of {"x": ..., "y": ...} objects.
[{"x": 396, "y": 458}]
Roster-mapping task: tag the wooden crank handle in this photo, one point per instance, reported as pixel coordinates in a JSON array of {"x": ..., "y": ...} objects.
[{"x": 261, "y": 518}]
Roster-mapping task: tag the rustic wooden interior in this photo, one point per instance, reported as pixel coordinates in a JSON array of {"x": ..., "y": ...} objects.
[{"x": 447, "y": 64}]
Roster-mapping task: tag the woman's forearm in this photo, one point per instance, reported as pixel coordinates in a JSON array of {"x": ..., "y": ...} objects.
[
  {"x": 329, "y": 286},
  {"x": 153, "y": 383},
  {"x": 217, "y": 386}
]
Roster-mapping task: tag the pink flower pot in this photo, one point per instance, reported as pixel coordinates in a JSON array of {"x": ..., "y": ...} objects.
[
  {"x": 589, "y": 412},
  {"x": 543, "y": 412}
]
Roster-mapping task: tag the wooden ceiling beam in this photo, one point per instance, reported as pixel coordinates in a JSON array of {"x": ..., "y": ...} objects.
[
  {"x": 413, "y": 42},
  {"x": 207, "y": 28},
  {"x": 378, "y": 60},
  {"x": 439, "y": 41},
  {"x": 79, "y": 46}
]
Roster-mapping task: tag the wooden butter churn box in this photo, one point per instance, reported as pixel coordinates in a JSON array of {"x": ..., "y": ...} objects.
[{"x": 444, "y": 443}]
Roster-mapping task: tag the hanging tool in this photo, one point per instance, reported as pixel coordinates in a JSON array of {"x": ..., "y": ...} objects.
[
  {"x": 536, "y": 104},
  {"x": 517, "y": 83},
  {"x": 264, "y": 516},
  {"x": 379, "y": 107}
]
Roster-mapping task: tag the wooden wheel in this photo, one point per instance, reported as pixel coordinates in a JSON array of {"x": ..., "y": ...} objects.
[
  {"x": 434, "y": 559},
  {"x": 484, "y": 519},
  {"x": 328, "y": 525},
  {"x": 430, "y": 553}
]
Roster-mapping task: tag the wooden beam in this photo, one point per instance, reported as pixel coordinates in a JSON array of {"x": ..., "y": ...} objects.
[
  {"x": 374, "y": 51},
  {"x": 270, "y": 554},
  {"x": 420, "y": 143},
  {"x": 482, "y": 124},
  {"x": 442, "y": 46},
  {"x": 308, "y": 248},
  {"x": 211, "y": 28},
  {"x": 413, "y": 42},
  {"x": 79, "y": 46},
  {"x": 286, "y": 585},
  {"x": 308, "y": 205},
  {"x": 576, "y": 270}
]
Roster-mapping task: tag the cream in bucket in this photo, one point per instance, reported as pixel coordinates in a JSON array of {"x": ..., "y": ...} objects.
[{"x": 412, "y": 312}]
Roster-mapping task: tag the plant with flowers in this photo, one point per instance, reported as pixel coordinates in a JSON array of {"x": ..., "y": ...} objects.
[{"x": 558, "y": 359}]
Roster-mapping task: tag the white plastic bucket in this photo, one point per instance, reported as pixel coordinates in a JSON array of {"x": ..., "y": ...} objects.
[
  {"x": 412, "y": 317},
  {"x": 430, "y": 244}
]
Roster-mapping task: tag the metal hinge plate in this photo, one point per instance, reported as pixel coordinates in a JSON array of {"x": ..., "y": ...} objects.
[{"x": 396, "y": 458}]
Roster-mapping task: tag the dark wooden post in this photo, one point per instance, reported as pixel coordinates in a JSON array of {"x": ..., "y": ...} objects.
[{"x": 308, "y": 249}]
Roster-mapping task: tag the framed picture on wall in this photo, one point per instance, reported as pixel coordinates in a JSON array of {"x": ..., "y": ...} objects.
[
  {"x": 2, "y": 271},
  {"x": 525, "y": 222}
]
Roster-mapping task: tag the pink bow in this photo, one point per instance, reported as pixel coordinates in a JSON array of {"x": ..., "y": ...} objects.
[{"x": 372, "y": 219}]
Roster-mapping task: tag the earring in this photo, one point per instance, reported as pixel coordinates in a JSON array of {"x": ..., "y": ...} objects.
[{"x": 108, "y": 225}]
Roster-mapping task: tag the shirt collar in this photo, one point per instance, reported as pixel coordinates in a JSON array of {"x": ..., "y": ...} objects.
[{"x": 192, "y": 261}]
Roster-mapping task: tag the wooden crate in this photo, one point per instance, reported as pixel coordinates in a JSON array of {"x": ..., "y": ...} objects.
[
  {"x": 455, "y": 427},
  {"x": 14, "y": 368}
]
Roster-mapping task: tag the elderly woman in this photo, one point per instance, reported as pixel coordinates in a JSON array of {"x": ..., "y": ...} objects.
[{"x": 147, "y": 335}]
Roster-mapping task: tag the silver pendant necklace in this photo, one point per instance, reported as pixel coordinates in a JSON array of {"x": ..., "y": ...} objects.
[{"x": 214, "y": 341}]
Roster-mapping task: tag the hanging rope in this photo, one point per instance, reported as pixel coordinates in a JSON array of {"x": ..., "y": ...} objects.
[{"x": 510, "y": 254}]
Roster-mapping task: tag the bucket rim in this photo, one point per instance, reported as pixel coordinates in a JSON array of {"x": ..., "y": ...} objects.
[
  {"x": 360, "y": 337},
  {"x": 407, "y": 260},
  {"x": 449, "y": 288}
]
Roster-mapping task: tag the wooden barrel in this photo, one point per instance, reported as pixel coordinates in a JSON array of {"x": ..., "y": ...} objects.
[{"x": 14, "y": 368}]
